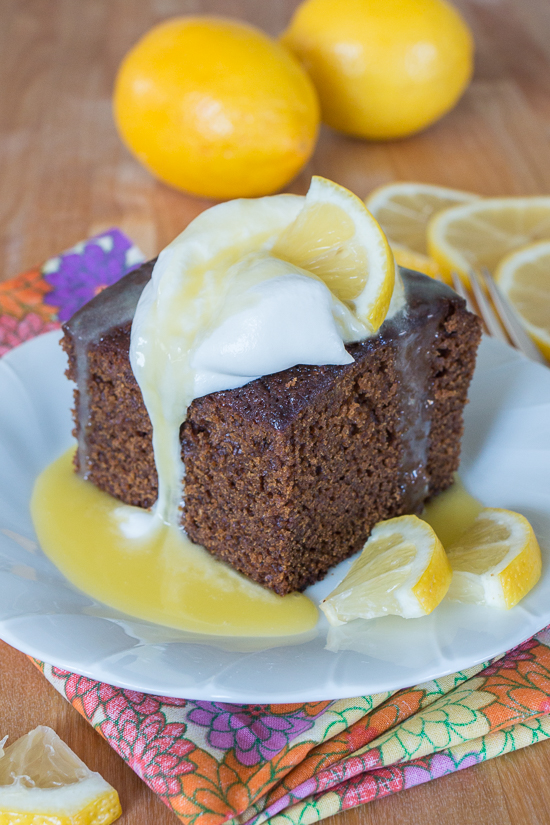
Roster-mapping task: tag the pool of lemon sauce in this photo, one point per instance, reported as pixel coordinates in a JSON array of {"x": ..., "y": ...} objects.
[
  {"x": 452, "y": 512},
  {"x": 162, "y": 576}
]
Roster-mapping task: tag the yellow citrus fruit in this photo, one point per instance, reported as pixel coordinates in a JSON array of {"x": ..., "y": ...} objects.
[
  {"x": 524, "y": 276},
  {"x": 216, "y": 107},
  {"x": 383, "y": 68},
  {"x": 402, "y": 571},
  {"x": 496, "y": 562},
  {"x": 483, "y": 232},
  {"x": 404, "y": 209},
  {"x": 329, "y": 233},
  {"x": 335, "y": 237},
  {"x": 414, "y": 260},
  {"x": 43, "y": 781}
]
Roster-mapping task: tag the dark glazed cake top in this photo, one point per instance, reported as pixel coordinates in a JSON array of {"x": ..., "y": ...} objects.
[
  {"x": 115, "y": 306},
  {"x": 281, "y": 396}
]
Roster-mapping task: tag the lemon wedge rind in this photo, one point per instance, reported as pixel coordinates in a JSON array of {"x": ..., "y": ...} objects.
[
  {"x": 403, "y": 571},
  {"x": 328, "y": 233},
  {"x": 42, "y": 780},
  {"x": 337, "y": 239},
  {"x": 496, "y": 562}
]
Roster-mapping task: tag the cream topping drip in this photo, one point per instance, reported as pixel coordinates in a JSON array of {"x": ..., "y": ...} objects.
[{"x": 219, "y": 312}]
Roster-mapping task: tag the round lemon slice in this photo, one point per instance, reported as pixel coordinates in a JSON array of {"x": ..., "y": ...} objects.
[
  {"x": 402, "y": 571},
  {"x": 337, "y": 239},
  {"x": 496, "y": 562},
  {"x": 404, "y": 209},
  {"x": 524, "y": 276},
  {"x": 414, "y": 260},
  {"x": 42, "y": 780},
  {"x": 481, "y": 233}
]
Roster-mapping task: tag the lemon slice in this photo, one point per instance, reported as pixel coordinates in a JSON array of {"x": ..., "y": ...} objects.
[
  {"x": 43, "y": 781},
  {"x": 524, "y": 276},
  {"x": 481, "y": 233},
  {"x": 496, "y": 562},
  {"x": 414, "y": 260},
  {"x": 403, "y": 210},
  {"x": 337, "y": 239},
  {"x": 402, "y": 571}
]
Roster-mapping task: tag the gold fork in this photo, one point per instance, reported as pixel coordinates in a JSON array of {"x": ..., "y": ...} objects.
[{"x": 499, "y": 317}]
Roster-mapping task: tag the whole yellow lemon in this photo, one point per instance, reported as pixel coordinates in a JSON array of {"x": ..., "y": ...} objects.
[
  {"x": 216, "y": 107},
  {"x": 383, "y": 68}
]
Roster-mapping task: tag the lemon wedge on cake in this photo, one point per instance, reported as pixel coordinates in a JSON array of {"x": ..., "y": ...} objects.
[
  {"x": 402, "y": 571},
  {"x": 43, "y": 781},
  {"x": 524, "y": 276},
  {"x": 481, "y": 233},
  {"x": 336, "y": 238},
  {"x": 496, "y": 562}
]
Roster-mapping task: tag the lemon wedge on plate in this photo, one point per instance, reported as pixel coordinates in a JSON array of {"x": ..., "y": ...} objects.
[
  {"x": 404, "y": 209},
  {"x": 43, "y": 781},
  {"x": 402, "y": 571},
  {"x": 483, "y": 232},
  {"x": 496, "y": 562},
  {"x": 524, "y": 276},
  {"x": 336, "y": 238}
]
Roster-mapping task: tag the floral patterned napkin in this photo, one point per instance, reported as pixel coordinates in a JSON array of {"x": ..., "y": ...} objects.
[
  {"x": 214, "y": 762},
  {"x": 41, "y": 299}
]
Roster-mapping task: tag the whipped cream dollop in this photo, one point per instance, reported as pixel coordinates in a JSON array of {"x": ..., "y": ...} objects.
[{"x": 276, "y": 316}]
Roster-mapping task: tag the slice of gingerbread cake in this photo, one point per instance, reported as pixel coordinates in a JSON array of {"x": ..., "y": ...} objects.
[{"x": 286, "y": 476}]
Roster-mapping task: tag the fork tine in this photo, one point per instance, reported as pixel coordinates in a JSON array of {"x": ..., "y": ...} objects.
[
  {"x": 486, "y": 310},
  {"x": 461, "y": 290},
  {"x": 510, "y": 321}
]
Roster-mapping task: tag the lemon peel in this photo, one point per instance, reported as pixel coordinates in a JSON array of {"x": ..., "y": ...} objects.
[
  {"x": 496, "y": 562},
  {"x": 404, "y": 208},
  {"x": 42, "y": 780},
  {"x": 483, "y": 232},
  {"x": 337, "y": 239},
  {"x": 403, "y": 571},
  {"x": 524, "y": 277}
]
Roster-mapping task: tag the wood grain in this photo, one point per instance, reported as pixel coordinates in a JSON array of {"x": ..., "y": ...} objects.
[{"x": 65, "y": 175}]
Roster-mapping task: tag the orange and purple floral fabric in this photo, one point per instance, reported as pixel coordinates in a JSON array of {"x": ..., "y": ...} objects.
[
  {"x": 215, "y": 762},
  {"x": 39, "y": 300}
]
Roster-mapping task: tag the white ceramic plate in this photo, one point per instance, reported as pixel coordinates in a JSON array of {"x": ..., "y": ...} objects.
[{"x": 506, "y": 463}]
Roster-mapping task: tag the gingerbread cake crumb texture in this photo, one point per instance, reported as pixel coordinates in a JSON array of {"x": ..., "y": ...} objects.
[{"x": 286, "y": 476}]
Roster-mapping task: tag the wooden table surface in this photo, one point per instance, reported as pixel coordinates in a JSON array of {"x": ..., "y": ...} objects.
[{"x": 64, "y": 175}]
